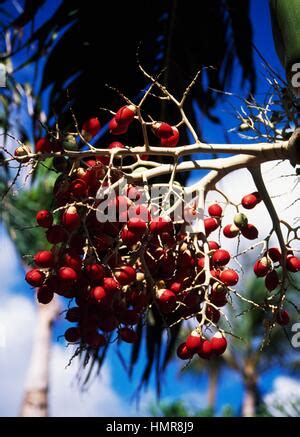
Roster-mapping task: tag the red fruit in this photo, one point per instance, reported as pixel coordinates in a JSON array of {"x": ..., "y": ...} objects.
[
  {"x": 125, "y": 115},
  {"x": 44, "y": 258},
  {"x": 139, "y": 211},
  {"x": 91, "y": 126},
  {"x": 215, "y": 210},
  {"x": 129, "y": 317},
  {"x": 95, "y": 171},
  {"x": 56, "y": 234},
  {"x": 76, "y": 243},
  {"x": 218, "y": 298},
  {"x": 213, "y": 245},
  {"x": 221, "y": 257},
  {"x": 137, "y": 225},
  {"x": 212, "y": 314},
  {"x": 166, "y": 300},
  {"x": 231, "y": 231},
  {"x": 250, "y": 232},
  {"x": 172, "y": 140},
  {"x": 43, "y": 145},
  {"x": 71, "y": 259},
  {"x": 125, "y": 275},
  {"x": 229, "y": 277},
  {"x": 272, "y": 280},
  {"x": 67, "y": 274},
  {"x": 274, "y": 254},
  {"x": 205, "y": 350},
  {"x": 192, "y": 300},
  {"x": 211, "y": 224},
  {"x": 176, "y": 287},
  {"x": 128, "y": 237},
  {"x": 73, "y": 315},
  {"x": 35, "y": 277},
  {"x": 283, "y": 318},
  {"x": 117, "y": 129},
  {"x": 160, "y": 225},
  {"x": 163, "y": 130},
  {"x": 44, "y": 218},
  {"x": 133, "y": 192},
  {"x": 101, "y": 295},
  {"x": 261, "y": 267},
  {"x": 78, "y": 188},
  {"x": 109, "y": 324},
  {"x": 251, "y": 200},
  {"x": 71, "y": 219},
  {"x": 194, "y": 341},
  {"x": 218, "y": 344},
  {"x": 183, "y": 353},
  {"x": 293, "y": 263},
  {"x": 95, "y": 272},
  {"x": 128, "y": 335},
  {"x": 72, "y": 335},
  {"x": 185, "y": 259},
  {"x": 94, "y": 339},
  {"x": 215, "y": 273},
  {"x": 44, "y": 295},
  {"x": 116, "y": 145},
  {"x": 136, "y": 298},
  {"x": 52, "y": 282},
  {"x": 111, "y": 285}
]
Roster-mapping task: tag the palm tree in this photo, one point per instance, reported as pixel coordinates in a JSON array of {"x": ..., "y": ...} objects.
[
  {"x": 81, "y": 53},
  {"x": 35, "y": 401},
  {"x": 245, "y": 356},
  {"x": 17, "y": 213},
  {"x": 88, "y": 46}
]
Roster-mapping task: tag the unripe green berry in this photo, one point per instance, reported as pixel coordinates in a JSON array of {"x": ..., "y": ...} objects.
[
  {"x": 240, "y": 220},
  {"x": 69, "y": 143}
]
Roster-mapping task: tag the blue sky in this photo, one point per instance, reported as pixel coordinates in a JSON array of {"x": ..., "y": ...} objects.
[{"x": 117, "y": 387}]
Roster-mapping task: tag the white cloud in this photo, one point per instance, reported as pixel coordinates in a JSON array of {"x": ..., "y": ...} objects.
[
  {"x": 286, "y": 392},
  {"x": 66, "y": 398},
  {"x": 17, "y": 323},
  {"x": 17, "y": 319}
]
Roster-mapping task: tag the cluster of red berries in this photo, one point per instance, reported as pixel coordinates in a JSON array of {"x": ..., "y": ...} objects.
[
  {"x": 240, "y": 225},
  {"x": 206, "y": 349},
  {"x": 115, "y": 270},
  {"x": 168, "y": 136}
]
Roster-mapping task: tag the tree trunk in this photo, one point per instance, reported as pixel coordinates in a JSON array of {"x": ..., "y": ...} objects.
[
  {"x": 251, "y": 398},
  {"x": 213, "y": 373},
  {"x": 35, "y": 400}
]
